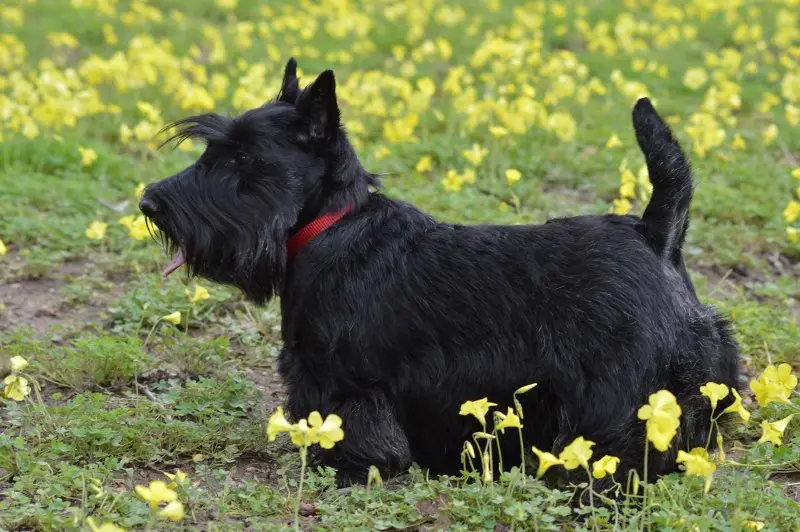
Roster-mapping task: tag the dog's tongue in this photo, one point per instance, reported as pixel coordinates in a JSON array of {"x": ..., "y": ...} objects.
[{"x": 176, "y": 263}]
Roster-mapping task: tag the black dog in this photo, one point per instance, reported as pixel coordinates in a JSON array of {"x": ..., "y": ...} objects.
[{"x": 392, "y": 319}]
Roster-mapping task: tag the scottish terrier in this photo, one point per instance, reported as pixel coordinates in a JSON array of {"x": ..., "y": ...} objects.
[{"x": 392, "y": 319}]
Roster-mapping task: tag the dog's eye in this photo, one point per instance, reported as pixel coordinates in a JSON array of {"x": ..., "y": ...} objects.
[{"x": 242, "y": 158}]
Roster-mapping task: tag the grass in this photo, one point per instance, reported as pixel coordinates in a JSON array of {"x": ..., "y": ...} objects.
[{"x": 126, "y": 396}]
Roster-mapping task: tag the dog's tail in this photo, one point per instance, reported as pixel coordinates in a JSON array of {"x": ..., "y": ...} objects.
[{"x": 666, "y": 217}]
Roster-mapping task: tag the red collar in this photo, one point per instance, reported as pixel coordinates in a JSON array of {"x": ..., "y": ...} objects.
[{"x": 308, "y": 232}]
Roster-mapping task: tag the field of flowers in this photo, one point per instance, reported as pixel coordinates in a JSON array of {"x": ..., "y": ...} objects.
[{"x": 139, "y": 403}]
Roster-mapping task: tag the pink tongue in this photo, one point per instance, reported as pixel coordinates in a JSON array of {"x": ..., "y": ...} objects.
[{"x": 176, "y": 263}]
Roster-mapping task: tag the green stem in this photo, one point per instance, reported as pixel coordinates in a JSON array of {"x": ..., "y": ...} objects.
[
  {"x": 522, "y": 456},
  {"x": 153, "y": 328},
  {"x": 499, "y": 453},
  {"x": 188, "y": 319},
  {"x": 645, "y": 484},
  {"x": 303, "y": 451}
]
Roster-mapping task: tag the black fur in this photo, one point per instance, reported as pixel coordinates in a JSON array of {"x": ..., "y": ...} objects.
[{"x": 391, "y": 319}]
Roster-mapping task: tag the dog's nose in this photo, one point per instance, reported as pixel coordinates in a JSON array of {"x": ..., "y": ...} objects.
[{"x": 148, "y": 206}]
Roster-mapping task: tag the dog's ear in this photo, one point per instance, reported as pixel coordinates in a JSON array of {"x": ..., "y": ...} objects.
[
  {"x": 317, "y": 106},
  {"x": 290, "y": 89}
]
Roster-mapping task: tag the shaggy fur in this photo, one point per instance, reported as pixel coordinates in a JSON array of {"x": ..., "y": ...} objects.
[{"x": 392, "y": 319}]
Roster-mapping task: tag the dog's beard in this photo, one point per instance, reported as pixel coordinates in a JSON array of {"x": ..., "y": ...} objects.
[{"x": 252, "y": 258}]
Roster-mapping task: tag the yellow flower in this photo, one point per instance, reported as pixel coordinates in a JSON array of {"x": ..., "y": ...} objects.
[
  {"x": 694, "y": 78},
  {"x": 793, "y": 234},
  {"x": 563, "y": 125},
  {"x": 475, "y": 154},
  {"x": 277, "y": 423},
  {"x": 546, "y": 461},
  {"x": 737, "y": 407},
  {"x": 425, "y": 164},
  {"x": 577, "y": 453},
  {"x": 622, "y": 206},
  {"x": 738, "y": 142},
  {"x": 139, "y": 192},
  {"x": 662, "y": 415},
  {"x": 174, "y": 317},
  {"x": 697, "y": 463},
  {"x": 200, "y": 294},
  {"x": 498, "y": 131},
  {"x": 453, "y": 181},
  {"x": 792, "y": 211},
  {"x": 796, "y": 173},
  {"x": 753, "y": 525},
  {"x": 769, "y": 134},
  {"x": 477, "y": 408},
  {"x": 17, "y": 388},
  {"x": 18, "y": 363},
  {"x": 614, "y": 142},
  {"x": 509, "y": 420},
  {"x": 301, "y": 434},
  {"x": 105, "y": 527},
  {"x": 715, "y": 393},
  {"x": 628, "y": 188},
  {"x": 136, "y": 225},
  {"x": 88, "y": 155},
  {"x": 327, "y": 432},
  {"x": 3, "y": 248},
  {"x": 96, "y": 230},
  {"x": 172, "y": 511},
  {"x": 774, "y": 384},
  {"x": 773, "y": 431},
  {"x": 157, "y": 493},
  {"x": 512, "y": 176},
  {"x": 177, "y": 478},
  {"x": 607, "y": 465}
]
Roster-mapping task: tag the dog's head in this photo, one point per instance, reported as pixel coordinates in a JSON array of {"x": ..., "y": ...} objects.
[{"x": 263, "y": 174}]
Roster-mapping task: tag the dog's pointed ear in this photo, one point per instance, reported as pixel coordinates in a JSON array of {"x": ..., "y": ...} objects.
[
  {"x": 318, "y": 108},
  {"x": 290, "y": 88}
]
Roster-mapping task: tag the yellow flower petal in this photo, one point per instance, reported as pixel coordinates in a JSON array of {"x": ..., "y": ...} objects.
[
  {"x": 509, "y": 420},
  {"x": 177, "y": 478},
  {"x": 607, "y": 465},
  {"x": 613, "y": 142},
  {"x": 715, "y": 393},
  {"x": 18, "y": 363},
  {"x": 17, "y": 388},
  {"x": 174, "y": 317},
  {"x": 546, "y": 461},
  {"x": 200, "y": 294},
  {"x": 96, "y": 230},
  {"x": 172, "y": 511},
  {"x": 697, "y": 462},
  {"x": 156, "y": 493},
  {"x": 425, "y": 164},
  {"x": 277, "y": 424},
  {"x": 577, "y": 453},
  {"x": 773, "y": 431},
  {"x": 737, "y": 407},
  {"x": 512, "y": 176},
  {"x": 477, "y": 408}
]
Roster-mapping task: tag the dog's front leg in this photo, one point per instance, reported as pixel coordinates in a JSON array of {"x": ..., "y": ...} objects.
[{"x": 372, "y": 434}]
